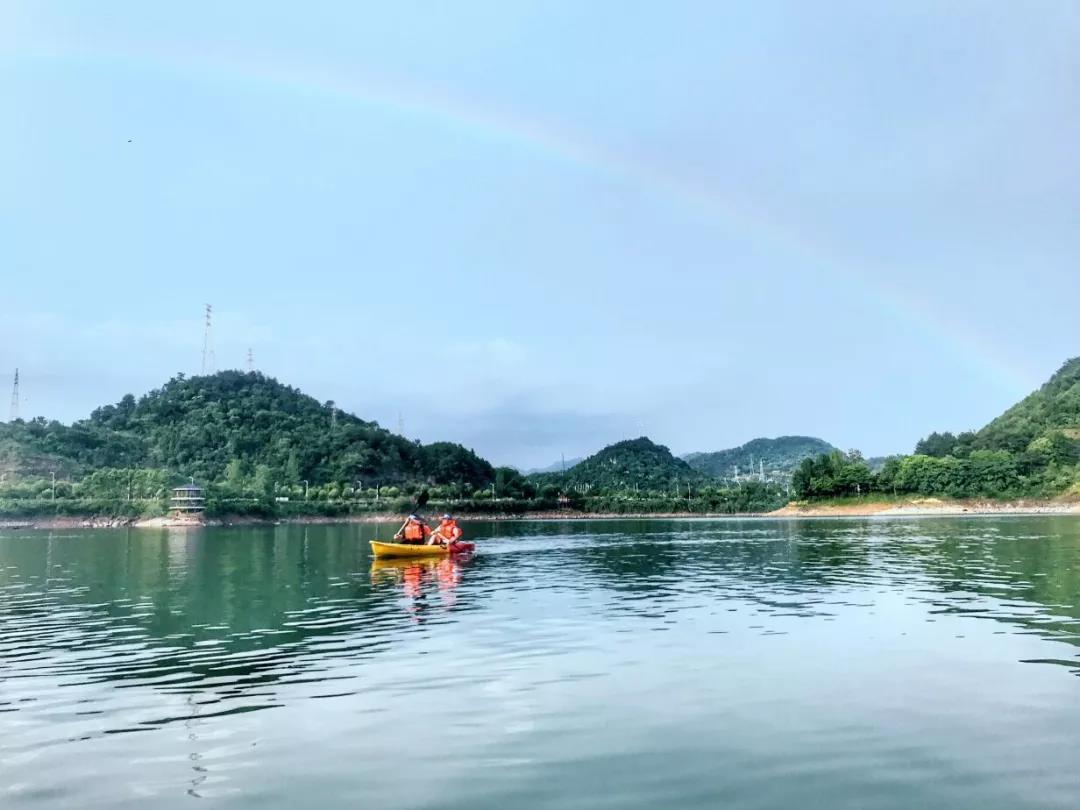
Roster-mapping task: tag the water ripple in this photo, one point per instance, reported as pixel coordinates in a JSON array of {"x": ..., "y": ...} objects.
[{"x": 569, "y": 655}]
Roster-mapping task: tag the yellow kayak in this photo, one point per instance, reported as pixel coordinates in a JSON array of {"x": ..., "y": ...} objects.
[{"x": 379, "y": 549}]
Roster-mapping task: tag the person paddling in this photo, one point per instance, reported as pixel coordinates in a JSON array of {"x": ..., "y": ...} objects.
[
  {"x": 415, "y": 531},
  {"x": 447, "y": 533}
]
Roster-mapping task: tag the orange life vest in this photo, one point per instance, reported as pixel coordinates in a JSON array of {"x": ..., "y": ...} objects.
[
  {"x": 449, "y": 530},
  {"x": 415, "y": 530}
]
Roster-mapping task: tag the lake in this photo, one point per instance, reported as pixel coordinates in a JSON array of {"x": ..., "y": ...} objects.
[{"x": 596, "y": 664}]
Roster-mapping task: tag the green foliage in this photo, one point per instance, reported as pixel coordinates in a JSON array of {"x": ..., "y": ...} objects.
[
  {"x": 748, "y": 497},
  {"x": 938, "y": 445},
  {"x": 833, "y": 475},
  {"x": 984, "y": 473}
]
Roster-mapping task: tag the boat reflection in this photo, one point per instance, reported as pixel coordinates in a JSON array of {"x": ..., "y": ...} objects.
[{"x": 419, "y": 577}]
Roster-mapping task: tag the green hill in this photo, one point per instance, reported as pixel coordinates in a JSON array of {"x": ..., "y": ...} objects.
[
  {"x": 626, "y": 465},
  {"x": 1031, "y": 450},
  {"x": 198, "y": 426},
  {"x": 1045, "y": 422},
  {"x": 1052, "y": 411},
  {"x": 780, "y": 456}
]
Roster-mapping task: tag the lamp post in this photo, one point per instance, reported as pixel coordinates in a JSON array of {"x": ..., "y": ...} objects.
[{"x": 53, "y": 485}]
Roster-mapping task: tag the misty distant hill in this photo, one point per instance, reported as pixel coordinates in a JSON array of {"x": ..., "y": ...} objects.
[
  {"x": 779, "y": 456},
  {"x": 557, "y": 467}
]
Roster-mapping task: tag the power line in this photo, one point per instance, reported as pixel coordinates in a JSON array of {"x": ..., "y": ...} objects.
[
  {"x": 15, "y": 399},
  {"x": 209, "y": 362}
]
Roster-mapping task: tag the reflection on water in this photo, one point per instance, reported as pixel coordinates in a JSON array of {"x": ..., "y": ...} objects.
[
  {"x": 620, "y": 663},
  {"x": 417, "y": 578}
]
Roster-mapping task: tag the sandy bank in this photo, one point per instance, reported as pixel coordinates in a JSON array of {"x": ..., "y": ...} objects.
[{"x": 928, "y": 507}]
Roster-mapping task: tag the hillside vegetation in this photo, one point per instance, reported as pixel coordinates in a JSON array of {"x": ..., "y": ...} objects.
[
  {"x": 260, "y": 446},
  {"x": 239, "y": 424}
]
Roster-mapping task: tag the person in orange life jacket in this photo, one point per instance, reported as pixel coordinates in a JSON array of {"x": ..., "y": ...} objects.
[
  {"x": 415, "y": 531},
  {"x": 448, "y": 532}
]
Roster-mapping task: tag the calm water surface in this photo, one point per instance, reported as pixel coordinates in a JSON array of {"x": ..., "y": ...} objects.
[{"x": 873, "y": 663}]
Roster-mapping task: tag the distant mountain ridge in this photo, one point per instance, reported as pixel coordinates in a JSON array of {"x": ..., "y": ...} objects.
[
  {"x": 558, "y": 466},
  {"x": 631, "y": 464},
  {"x": 781, "y": 455}
]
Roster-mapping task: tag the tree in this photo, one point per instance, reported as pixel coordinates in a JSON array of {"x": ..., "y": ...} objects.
[
  {"x": 263, "y": 484},
  {"x": 235, "y": 479},
  {"x": 292, "y": 469},
  {"x": 937, "y": 445}
]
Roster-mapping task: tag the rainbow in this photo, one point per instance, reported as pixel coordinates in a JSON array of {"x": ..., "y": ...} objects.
[{"x": 573, "y": 149}]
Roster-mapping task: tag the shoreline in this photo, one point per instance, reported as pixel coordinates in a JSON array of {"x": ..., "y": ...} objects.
[
  {"x": 915, "y": 507},
  {"x": 930, "y": 507}
]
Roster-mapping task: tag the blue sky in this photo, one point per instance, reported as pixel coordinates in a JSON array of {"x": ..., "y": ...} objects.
[{"x": 537, "y": 228}]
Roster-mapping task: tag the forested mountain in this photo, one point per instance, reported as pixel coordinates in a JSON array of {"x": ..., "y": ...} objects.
[
  {"x": 1033, "y": 449},
  {"x": 200, "y": 425},
  {"x": 781, "y": 455},
  {"x": 634, "y": 463}
]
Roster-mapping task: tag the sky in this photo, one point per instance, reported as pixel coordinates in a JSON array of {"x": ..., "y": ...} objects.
[{"x": 539, "y": 227}]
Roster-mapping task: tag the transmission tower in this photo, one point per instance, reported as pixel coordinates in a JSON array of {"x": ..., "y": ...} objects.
[
  {"x": 15, "y": 398},
  {"x": 208, "y": 360},
  {"x": 251, "y": 360},
  {"x": 400, "y": 424}
]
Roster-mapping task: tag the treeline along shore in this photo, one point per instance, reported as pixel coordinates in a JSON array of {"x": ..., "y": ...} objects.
[{"x": 261, "y": 450}]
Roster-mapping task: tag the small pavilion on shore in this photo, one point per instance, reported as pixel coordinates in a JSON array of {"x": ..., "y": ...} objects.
[{"x": 187, "y": 501}]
